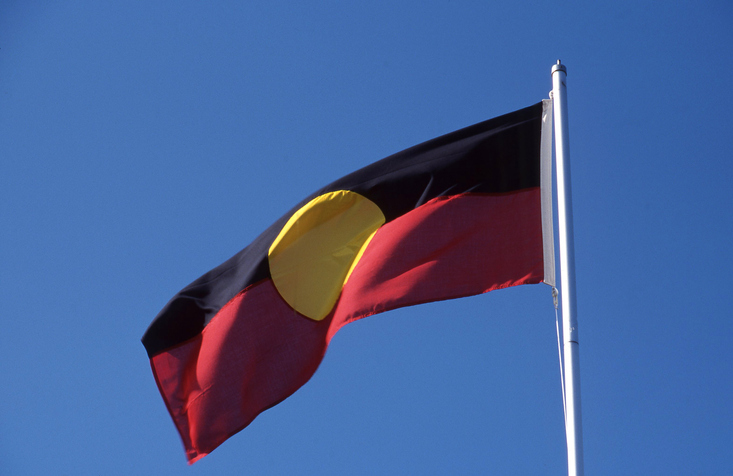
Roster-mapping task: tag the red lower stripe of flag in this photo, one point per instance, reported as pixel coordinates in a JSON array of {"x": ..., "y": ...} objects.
[{"x": 257, "y": 350}]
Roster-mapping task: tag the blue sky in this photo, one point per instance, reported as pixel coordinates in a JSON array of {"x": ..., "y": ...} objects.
[{"x": 143, "y": 143}]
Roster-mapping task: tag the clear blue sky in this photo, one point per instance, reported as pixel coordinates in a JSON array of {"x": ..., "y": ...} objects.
[{"x": 143, "y": 143}]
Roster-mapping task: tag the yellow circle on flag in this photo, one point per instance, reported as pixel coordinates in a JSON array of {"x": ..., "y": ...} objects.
[{"x": 313, "y": 256}]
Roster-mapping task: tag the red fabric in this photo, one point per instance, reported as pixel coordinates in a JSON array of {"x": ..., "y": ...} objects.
[
  {"x": 450, "y": 247},
  {"x": 257, "y": 350},
  {"x": 255, "y": 353}
]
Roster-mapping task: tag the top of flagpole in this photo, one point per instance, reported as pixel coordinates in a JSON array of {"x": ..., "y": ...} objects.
[{"x": 559, "y": 67}]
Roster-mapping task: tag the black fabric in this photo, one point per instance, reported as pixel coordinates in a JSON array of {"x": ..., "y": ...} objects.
[{"x": 494, "y": 156}]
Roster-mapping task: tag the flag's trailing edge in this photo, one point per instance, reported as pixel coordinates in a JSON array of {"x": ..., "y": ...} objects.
[{"x": 459, "y": 215}]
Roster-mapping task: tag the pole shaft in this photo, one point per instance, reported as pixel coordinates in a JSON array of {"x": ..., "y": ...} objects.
[{"x": 573, "y": 423}]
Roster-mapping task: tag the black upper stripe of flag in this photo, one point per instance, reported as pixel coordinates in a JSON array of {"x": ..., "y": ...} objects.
[{"x": 494, "y": 156}]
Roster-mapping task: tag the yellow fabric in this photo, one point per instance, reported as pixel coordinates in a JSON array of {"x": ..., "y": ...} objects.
[{"x": 315, "y": 252}]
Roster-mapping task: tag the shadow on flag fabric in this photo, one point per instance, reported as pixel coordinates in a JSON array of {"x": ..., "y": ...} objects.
[{"x": 459, "y": 215}]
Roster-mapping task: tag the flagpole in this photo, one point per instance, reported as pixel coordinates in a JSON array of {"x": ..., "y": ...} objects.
[{"x": 573, "y": 421}]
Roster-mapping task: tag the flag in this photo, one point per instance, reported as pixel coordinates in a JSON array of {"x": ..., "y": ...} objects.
[{"x": 459, "y": 215}]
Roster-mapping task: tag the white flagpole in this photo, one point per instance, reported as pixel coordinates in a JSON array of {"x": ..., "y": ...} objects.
[{"x": 573, "y": 422}]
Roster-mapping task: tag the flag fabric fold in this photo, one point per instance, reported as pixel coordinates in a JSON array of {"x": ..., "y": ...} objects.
[{"x": 459, "y": 215}]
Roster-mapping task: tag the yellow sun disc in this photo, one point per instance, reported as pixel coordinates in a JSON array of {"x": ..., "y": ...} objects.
[{"x": 312, "y": 257}]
